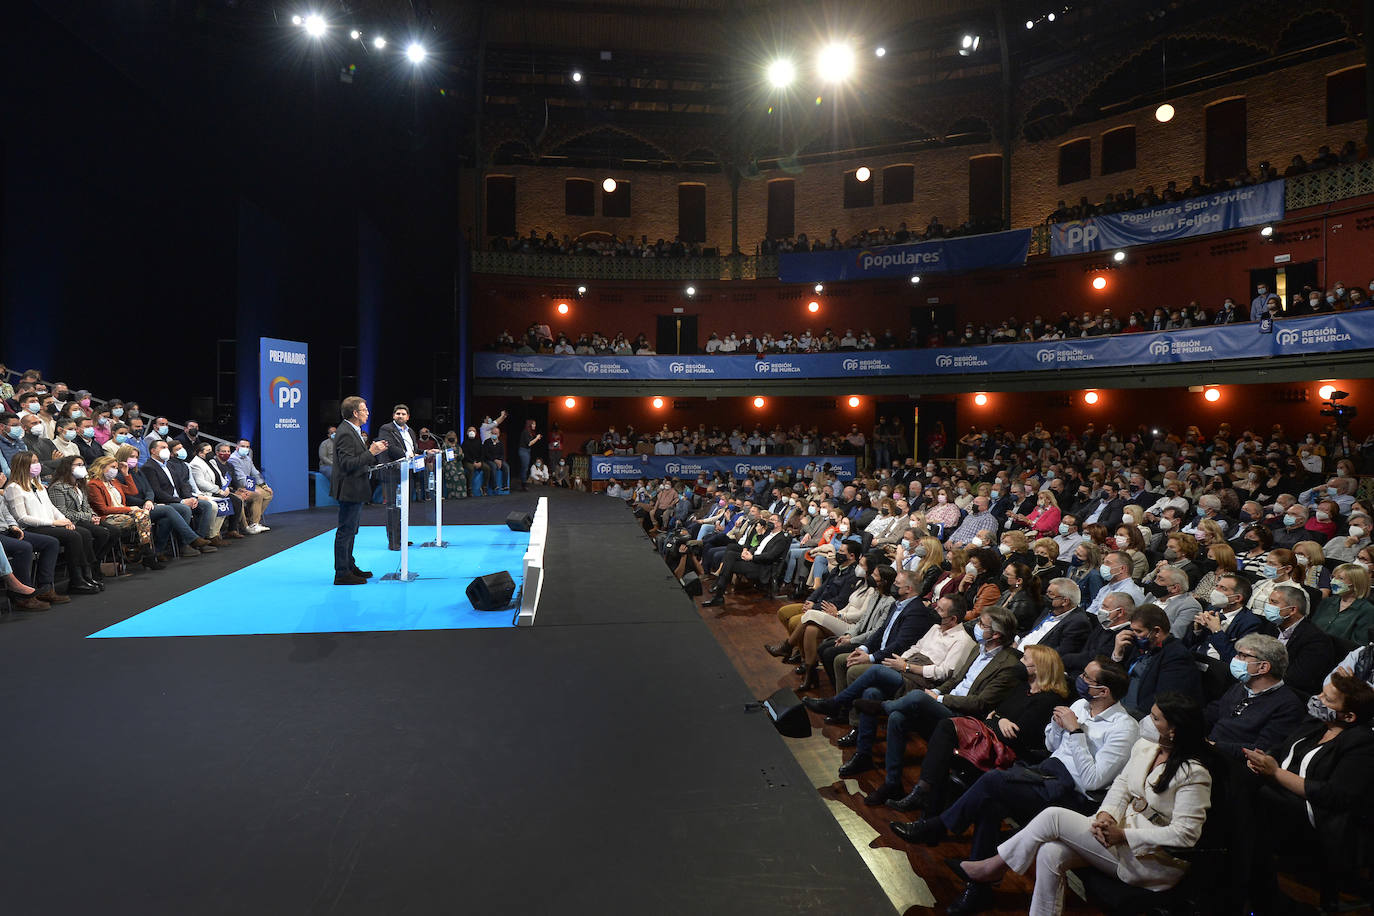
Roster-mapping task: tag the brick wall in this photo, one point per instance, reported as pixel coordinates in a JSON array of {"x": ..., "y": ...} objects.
[{"x": 1286, "y": 114}]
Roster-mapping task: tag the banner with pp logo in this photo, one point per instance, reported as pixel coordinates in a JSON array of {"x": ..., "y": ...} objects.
[{"x": 284, "y": 448}]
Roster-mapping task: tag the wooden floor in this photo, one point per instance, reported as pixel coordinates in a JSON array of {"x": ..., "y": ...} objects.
[{"x": 916, "y": 878}]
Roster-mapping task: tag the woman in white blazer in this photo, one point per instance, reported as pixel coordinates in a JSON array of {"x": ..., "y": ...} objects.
[
  {"x": 1159, "y": 800},
  {"x": 203, "y": 479}
]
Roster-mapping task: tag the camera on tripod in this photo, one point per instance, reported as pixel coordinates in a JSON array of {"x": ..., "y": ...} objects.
[{"x": 1342, "y": 413}]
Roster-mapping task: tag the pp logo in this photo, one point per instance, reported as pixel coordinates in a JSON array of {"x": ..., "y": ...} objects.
[
  {"x": 591, "y": 368},
  {"x": 1080, "y": 236},
  {"x": 742, "y": 470},
  {"x": 1286, "y": 336},
  {"x": 944, "y": 360},
  {"x": 672, "y": 467},
  {"x": 285, "y": 394},
  {"x": 677, "y": 368},
  {"x": 761, "y": 366},
  {"x": 603, "y": 467},
  {"x": 1159, "y": 348},
  {"x": 849, "y": 365},
  {"x": 503, "y": 365},
  {"x": 1045, "y": 356}
]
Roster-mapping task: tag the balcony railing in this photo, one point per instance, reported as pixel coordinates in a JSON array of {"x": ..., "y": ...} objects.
[
  {"x": 605, "y": 267},
  {"x": 1329, "y": 185}
]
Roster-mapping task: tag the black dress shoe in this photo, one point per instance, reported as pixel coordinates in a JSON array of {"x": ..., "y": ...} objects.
[
  {"x": 81, "y": 587},
  {"x": 348, "y": 579},
  {"x": 821, "y": 705},
  {"x": 916, "y": 801},
  {"x": 849, "y": 740},
  {"x": 881, "y": 794},
  {"x": 794, "y": 659},
  {"x": 362, "y": 573},
  {"x": 870, "y": 707},
  {"x": 975, "y": 898},
  {"x": 859, "y": 763},
  {"x": 928, "y": 830},
  {"x": 781, "y": 650},
  {"x": 714, "y": 601}
]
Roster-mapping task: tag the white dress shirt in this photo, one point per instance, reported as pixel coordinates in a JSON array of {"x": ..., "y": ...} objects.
[{"x": 1099, "y": 752}]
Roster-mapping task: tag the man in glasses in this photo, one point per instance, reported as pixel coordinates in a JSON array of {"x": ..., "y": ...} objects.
[{"x": 1258, "y": 711}]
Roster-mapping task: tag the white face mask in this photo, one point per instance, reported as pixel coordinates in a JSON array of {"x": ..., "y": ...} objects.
[
  {"x": 79, "y": 472},
  {"x": 976, "y": 542},
  {"x": 1356, "y": 532},
  {"x": 970, "y": 569}
]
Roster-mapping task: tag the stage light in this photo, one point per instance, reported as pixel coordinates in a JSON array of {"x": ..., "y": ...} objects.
[
  {"x": 562, "y": 308},
  {"x": 835, "y": 62},
  {"x": 853, "y": 400},
  {"x": 608, "y": 185},
  {"x": 1212, "y": 394},
  {"x": 577, "y": 76},
  {"x": 1164, "y": 113},
  {"x": 1090, "y": 397},
  {"x": 582, "y": 290},
  {"x": 819, "y": 287},
  {"x": 570, "y": 403},
  {"x": 379, "y": 42},
  {"x": 758, "y": 402},
  {"x": 1267, "y": 231},
  {"x": 980, "y": 399},
  {"x": 355, "y": 34},
  {"x": 969, "y": 44},
  {"x": 1099, "y": 283},
  {"x": 813, "y": 306},
  {"x": 1119, "y": 257},
  {"x": 415, "y": 52},
  {"x": 315, "y": 25},
  {"x": 296, "y": 20},
  {"x": 915, "y": 278},
  {"x": 1030, "y": 24},
  {"x": 1050, "y": 17},
  {"x": 781, "y": 73},
  {"x": 690, "y": 291},
  {"x": 863, "y": 174},
  {"x": 1324, "y": 392},
  {"x": 880, "y": 51},
  {"x": 658, "y": 403}
]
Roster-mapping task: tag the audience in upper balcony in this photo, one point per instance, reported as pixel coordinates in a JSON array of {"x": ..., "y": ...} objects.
[{"x": 595, "y": 244}]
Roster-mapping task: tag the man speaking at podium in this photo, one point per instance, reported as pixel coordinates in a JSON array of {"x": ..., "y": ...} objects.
[
  {"x": 401, "y": 442},
  {"x": 351, "y": 486}
]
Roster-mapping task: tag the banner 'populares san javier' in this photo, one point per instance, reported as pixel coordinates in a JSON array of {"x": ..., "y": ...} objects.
[
  {"x": 1310, "y": 336},
  {"x": 973, "y": 252},
  {"x": 1254, "y": 205},
  {"x": 632, "y": 467},
  {"x": 284, "y": 452}
]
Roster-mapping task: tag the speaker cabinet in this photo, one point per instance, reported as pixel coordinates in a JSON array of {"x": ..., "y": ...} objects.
[
  {"x": 519, "y": 521},
  {"x": 492, "y": 592}
]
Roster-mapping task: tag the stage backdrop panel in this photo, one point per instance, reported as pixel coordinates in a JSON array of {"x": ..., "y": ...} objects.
[{"x": 284, "y": 452}]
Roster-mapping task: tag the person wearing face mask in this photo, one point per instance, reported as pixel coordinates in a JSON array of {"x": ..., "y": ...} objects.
[
  {"x": 131, "y": 524},
  {"x": 1346, "y": 546},
  {"x": 252, "y": 487},
  {"x": 868, "y": 611},
  {"x": 1313, "y": 792},
  {"x": 1294, "y": 528},
  {"x": 1348, "y": 613},
  {"x": 943, "y": 515},
  {"x": 1021, "y": 594},
  {"x": 1280, "y": 567},
  {"x": 1064, "y": 626},
  {"x": 1068, "y": 537},
  {"x": 754, "y": 561},
  {"x": 980, "y": 526},
  {"x": 1311, "y": 651},
  {"x": 325, "y": 452},
  {"x": 1227, "y": 618},
  {"x": 1162, "y": 663},
  {"x": 471, "y": 455},
  {"x": 29, "y": 552},
  {"x": 1090, "y": 743},
  {"x": 210, "y": 485},
  {"x": 1256, "y": 711},
  {"x": 31, "y": 506},
  {"x": 175, "y": 509},
  {"x": 981, "y": 583},
  {"x": 1179, "y": 604},
  {"x": 68, "y": 493},
  {"x": 1115, "y": 570},
  {"x": 839, "y": 583}
]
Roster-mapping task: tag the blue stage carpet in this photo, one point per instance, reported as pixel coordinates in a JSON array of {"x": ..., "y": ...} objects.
[{"x": 293, "y": 591}]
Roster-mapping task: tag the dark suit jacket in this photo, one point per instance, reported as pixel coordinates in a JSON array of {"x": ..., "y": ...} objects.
[
  {"x": 352, "y": 461},
  {"x": 1337, "y": 784},
  {"x": 1224, "y": 641},
  {"x": 1173, "y": 670},
  {"x": 913, "y": 623},
  {"x": 164, "y": 492},
  {"x": 1099, "y": 642},
  {"x": 395, "y": 445},
  {"x": 1264, "y": 722},
  {"x": 1003, "y": 674},
  {"x": 1070, "y": 634},
  {"x": 1311, "y": 656},
  {"x": 836, "y": 587},
  {"x": 1020, "y": 604},
  {"x": 773, "y": 550}
]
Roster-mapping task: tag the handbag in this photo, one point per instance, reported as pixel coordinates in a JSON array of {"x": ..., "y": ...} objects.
[{"x": 979, "y": 746}]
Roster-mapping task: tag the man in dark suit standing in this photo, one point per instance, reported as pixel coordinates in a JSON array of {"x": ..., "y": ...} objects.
[
  {"x": 400, "y": 441},
  {"x": 351, "y": 487}
]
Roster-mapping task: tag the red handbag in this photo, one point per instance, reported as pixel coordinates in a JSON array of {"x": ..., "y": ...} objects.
[{"x": 979, "y": 746}]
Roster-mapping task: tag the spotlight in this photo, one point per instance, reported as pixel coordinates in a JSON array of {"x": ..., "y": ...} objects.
[
  {"x": 863, "y": 174},
  {"x": 690, "y": 291},
  {"x": 570, "y": 403},
  {"x": 315, "y": 25},
  {"x": 608, "y": 185},
  {"x": 980, "y": 399},
  {"x": 813, "y": 306},
  {"x": 658, "y": 403},
  {"x": 355, "y": 34},
  {"x": 1212, "y": 394},
  {"x": 1050, "y": 17},
  {"x": 969, "y": 44},
  {"x": 1267, "y": 231},
  {"x": 1164, "y": 113},
  {"x": 819, "y": 287},
  {"x": 562, "y": 308},
  {"x": 835, "y": 62},
  {"x": 1030, "y": 24},
  {"x": 1090, "y": 397},
  {"x": 415, "y": 52},
  {"x": 880, "y": 51},
  {"x": 853, "y": 400},
  {"x": 379, "y": 42},
  {"x": 577, "y": 76},
  {"x": 296, "y": 20},
  {"x": 1324, "y": 392},
  {"x": 582, "y": 290},
  {"x": 915, "y": 278},
  {"x": 758, "y": 402},
  {"x": 1119, "y": 257},
  {"x": 1099, "y": 283},
  {"x": 781, "y": 73}
]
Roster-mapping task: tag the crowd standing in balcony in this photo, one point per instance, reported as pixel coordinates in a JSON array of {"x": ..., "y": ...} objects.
[{"x": 596, "y": 244}]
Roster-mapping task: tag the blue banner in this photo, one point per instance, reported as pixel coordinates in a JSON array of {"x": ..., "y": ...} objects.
[
  {"x": 1308, "y": 336},
  {"x": 632, "y": 467},
  {"x": 974, "y": 252},
  {"x": 1254, "y": 205},
  {"x": 284, "y": 452}
]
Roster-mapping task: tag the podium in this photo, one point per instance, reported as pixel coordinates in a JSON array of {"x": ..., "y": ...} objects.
[
  {"x": 444, "y": 454},
  {"x": 404, "y": 466}
]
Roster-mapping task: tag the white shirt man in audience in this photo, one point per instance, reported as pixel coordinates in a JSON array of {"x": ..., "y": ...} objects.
[
  {"x": 1116, "y": 570},
  {"x": 252, "y": 487}
]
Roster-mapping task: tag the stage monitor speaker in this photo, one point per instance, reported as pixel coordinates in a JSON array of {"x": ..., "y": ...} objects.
[
  {"x": 492, "y": 592},
  {"x": 519, "y": 521},
  {"x": 691, "y": 584},
  {"x": 788, "y": 714}
]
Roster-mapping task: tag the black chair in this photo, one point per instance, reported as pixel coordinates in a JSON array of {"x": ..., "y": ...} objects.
[{"x": 1216, "y": 677}]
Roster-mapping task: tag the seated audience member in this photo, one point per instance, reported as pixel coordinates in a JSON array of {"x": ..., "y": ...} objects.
[
  {"x": 1021, "y": 595},
  {"x": 1311, "y": 653},
  {"x": 1314, "y": 790},
  {"x": 1312, "y": 573},
  {"x": 1179, "y": 605},
  {"x": 871, "y": 600},
  {"x": 1217, "y": 628},
  {"x": 208, "y": 487},
  {"x": 979, "y": 529},
  {"x": 1014, "y": 730},
  {"x": 168, "y": 519},
  {"x": 907, "y": 622},
  {"x": 1064, "y": 626},
  {"x": 539, "y": 472},
  {"x": 838, "y": 584},
  {"x": 1115, "y": 571},
  {"x": 1162, "y": 663},
  {"x": 68, "y": 494},
  {"x": 1256, "y": 711},
  {"x": 945, "y": 648},
  {"x": 31, "y": 506},
  {"x": 1280, "y": 568},
  {"x": 27, "y": 552},
  {"x": 1090, "y": 742},
  {"x": 223, "y": 473},
  {"x": 325, "y": 453},
  {"x": 1294, "y": 527},
  {"x": 170, "y": 482},
  {"x": 1222, "y": 559},
  {"x": 1122, "y": 838},
  {"x": 979, "y": 585},
  {"x": 86, "y": 443},
  {"x": 766, "y": 546},
  {"x": 252, "y": 487},
  {"x": 1347, "y": 614},
  {"x": 131, "y": 523}
]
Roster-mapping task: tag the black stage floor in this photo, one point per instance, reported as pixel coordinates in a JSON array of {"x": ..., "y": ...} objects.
[{"x": 600, "y": 761}]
